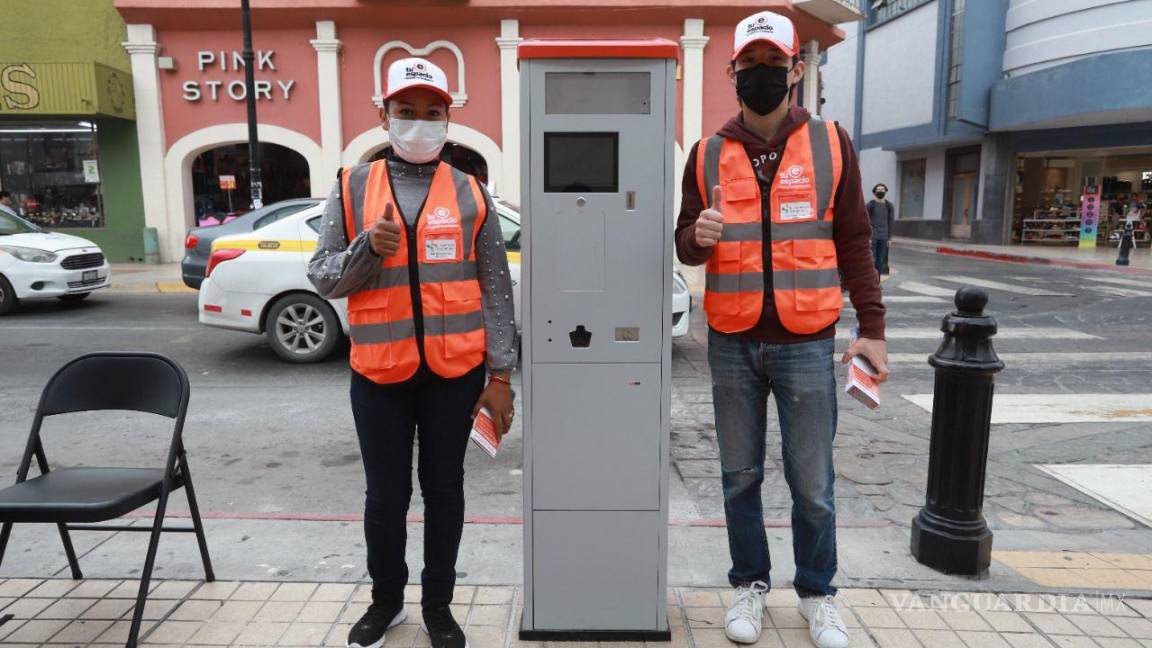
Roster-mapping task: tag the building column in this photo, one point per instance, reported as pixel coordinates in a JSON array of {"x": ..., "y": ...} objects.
[
  {"x": 509, "y": 187},
  {"x": 331, "y": 122},
  {"x": 693, "y": 42},
  {"x": 142, "y": 48},
  {"x": 994, "y": 204},
  {"x": 810, "y": 84}
]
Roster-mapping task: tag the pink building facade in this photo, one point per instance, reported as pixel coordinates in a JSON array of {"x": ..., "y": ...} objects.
[{"x": 321, "y": 64}]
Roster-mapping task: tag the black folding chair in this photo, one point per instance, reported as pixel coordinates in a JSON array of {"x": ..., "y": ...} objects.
[{"x": 72, "y": 497}]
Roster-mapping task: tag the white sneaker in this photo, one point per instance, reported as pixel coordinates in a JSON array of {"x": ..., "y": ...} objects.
[
  {"x": 743, "y": 621},
  {"x": 824, "y": 622}
]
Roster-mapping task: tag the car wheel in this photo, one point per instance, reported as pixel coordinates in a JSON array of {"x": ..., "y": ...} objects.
[
  {"x": 75, "y": 297},
  {"x": 7, "y": 296},
  {"x": 302, "y": 328}
]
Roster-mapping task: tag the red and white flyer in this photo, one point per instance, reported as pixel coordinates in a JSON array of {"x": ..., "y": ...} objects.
[
  {"x": 861, "y": 383},
  {"x": 484, "y": 432}
]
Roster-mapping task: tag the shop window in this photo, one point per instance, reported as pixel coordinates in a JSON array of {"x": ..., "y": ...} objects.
[
  {"x": 284, "y": 172},
  {"x": 52, "y": 170},
  {"x": 912, "y": 174}
]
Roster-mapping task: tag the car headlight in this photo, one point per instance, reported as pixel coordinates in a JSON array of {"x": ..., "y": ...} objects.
[
  {"x": 32, "y": 255},
  {"x": 679, "y": 285}
]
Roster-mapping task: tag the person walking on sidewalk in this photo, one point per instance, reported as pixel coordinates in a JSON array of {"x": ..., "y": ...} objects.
[
  {"x": 415, "y": 246},
  {"x": 773, "y": 204},
  {"x": 6, "y": 204},
  {"x": 882, "y": 214}
]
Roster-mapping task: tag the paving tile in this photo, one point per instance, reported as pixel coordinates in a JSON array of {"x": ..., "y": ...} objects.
[
  {"x": 982, "y": 640},
  {"x": 174, "y": 632},
  {"x": 354, "y": 611},
  {"x": 1026, "y": 640},
  {"x": 118, "y": 633},
  {"x": 676, "y": 616},
  {"x": 96, "y": 588},
  {"x": 463, "y": 594},
  {"x": 254, "y": 591},
  {"x": 1096, "y": 626},
  {"x": 900, "y": 598},
  {"x": 858, "y": 598},
  {"x": 10, "y": 627},
  {"x": 710, "y": 639},
  {"x": 939, "y": 638},
  {"x": 280, "y": 611},
  {"x": 195, "y": 610},
  {"x": 415, "y": 614},
  {"x": 334, "y": 592},
  {"x": 781, "y": 598},
  {"x": 53, "y": 588},
  {"x": 155, "y": 610},
  {"x": 173, "y": 589},
  {"x": 1105, "y": 579},
  {"x": 965, "y": 620},
  {"x": 402, "y": 636},
  {"x": 876, "y": 617},
  {"x": 263, "y": 633},
  {"x": 1126, "y": 560},
  {"x": 1006, "y": 622},
  {"x": 1113, "y": 642},
  {"x": 705, "y": 617},
  {"x": 294, "y": 592},
  {"x": 1051, "y": 559},
  {"x": 792, "y": 638},
  {"x": 338, "y": 635},
  {"x": 17, "y": 587},
  {"x": 36, "y": 631},
  {"x": 1110, "y": 605},
  {"x": 1072, "y": 641},
  {"x": 786, "y": 618},
  {"x": 108, "y": 609},
  {"x": 486, "y": 637},
  {"x": 81, "y": 632},
  {"x": 241, "y": 611},
  {"x": 68, "y": 609},
  {"x": 494, "y": 596},
  {"x": 311, "y": 634},
  {"x": 895, "y": 638},
  {"x": 218, "y": 590},
  {"x": 489, "y": 615},
  {"x": 217, "y": 633},
  {"x": 1143, "y": 606},
  {"x": 1051, "y": 624},
  {"x": 922, "y": 619},
  {"x": 28, "y": 608},
  {"x": 697, "y": 598},
  {"x": 1137, "y": 628},
  {"x": 363, "y": 594},
  {"x": 320, "y": 612}
]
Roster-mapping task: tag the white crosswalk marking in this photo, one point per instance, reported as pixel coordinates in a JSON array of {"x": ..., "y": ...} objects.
[
  {"x": 925, "y": 289},
  {"x": 1060, "y": 408},
  {"x": 913, "y": 299},
  {"x": 1050, "y": 359},
  {"x": 1122, "y": 292},
  {"x": 1136, "y": 283},
  {"x": 932, "y": 333},
  {"x": 1004, "y": 287}
]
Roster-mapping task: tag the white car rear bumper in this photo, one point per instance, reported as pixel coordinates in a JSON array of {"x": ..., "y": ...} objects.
[{"x": 230, "y": 309}]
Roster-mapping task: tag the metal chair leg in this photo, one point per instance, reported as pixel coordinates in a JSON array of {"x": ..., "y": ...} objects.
[
  {"x": 5, "y": 532},
  {"x": 70, "y": 552},
  {"x": 194, "y": 509},
  {"x": 146, "y": 575}
]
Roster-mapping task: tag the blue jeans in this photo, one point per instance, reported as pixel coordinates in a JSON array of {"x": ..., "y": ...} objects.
[
  {"x": 880, "y": 254},
  {"x": 802, "y": 376}
]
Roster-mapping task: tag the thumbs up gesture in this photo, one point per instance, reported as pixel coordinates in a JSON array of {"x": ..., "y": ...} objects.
[
  {"x": 385, "y": 236},
  {"x": 710, "y": 225}
]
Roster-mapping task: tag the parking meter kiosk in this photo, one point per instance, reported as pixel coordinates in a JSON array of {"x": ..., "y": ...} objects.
[{"x": 597, "y": 162}]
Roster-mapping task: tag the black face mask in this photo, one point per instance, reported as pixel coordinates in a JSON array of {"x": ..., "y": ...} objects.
[
  {"x": 762, "y": 87},
  {"x": 881, "y": 194}
]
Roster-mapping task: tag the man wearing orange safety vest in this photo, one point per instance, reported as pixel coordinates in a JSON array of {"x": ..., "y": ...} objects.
[
  {"x": 773, "y": 204},
  {"x": 415, "y": 246}
]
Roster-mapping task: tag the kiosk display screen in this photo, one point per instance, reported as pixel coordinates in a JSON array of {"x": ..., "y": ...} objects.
[{"x": 581, "y": 162}]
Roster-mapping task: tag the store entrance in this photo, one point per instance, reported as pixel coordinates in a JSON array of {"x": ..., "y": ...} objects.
[
  {"x": 963, "y": 204},
  {"x": 220, "y": 180}
]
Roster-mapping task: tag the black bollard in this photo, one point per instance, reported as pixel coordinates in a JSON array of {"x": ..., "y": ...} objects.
[
  {"x": 950, "y": 534},
  {"x": 1127, "y": 242}
]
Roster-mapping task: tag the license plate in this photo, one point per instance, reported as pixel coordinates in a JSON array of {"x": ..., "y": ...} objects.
[{"x": 90, "y": 276}]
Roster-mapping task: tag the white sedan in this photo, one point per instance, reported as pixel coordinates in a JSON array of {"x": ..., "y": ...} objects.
[
  {"x": 35, "y": 264},
  {"x": 257, "y": 282}
]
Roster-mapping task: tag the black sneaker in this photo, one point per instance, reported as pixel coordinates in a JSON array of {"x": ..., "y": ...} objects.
[
  {"x": 442, "y": 629},
  {"x": 369, "y": 630}
]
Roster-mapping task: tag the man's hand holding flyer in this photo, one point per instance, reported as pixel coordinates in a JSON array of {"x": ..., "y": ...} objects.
[{"x": 861, "y": 383}]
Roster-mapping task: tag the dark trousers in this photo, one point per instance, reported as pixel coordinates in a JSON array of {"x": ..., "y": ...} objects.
[
  {"x": 880, "y": 255},
  {"x": 389, "y": 418}
]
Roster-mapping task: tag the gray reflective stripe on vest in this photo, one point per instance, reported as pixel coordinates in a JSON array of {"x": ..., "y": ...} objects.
[
  {"x": 390, "y": 277},
  {"x": 449, "y": 324},
  {"x": 712, "y": 149},
  {"x": 821, "y": 164},
  {"x": 742, "y": 232},
  {"x": 820, "y": 229},
  {"x": 383, "y": 333},
  {"x": 441, "y": 272},
  {"x": 357, "y": 184},
  {"x": 805, "y": 279},
  {"x": 466, "y": 200},
  {"x": 734, "y": 283}
]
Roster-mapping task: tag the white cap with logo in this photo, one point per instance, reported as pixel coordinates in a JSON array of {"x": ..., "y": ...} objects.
[
  {"x": 767, "y": 27},
  {"x": 417, "y": 73}
]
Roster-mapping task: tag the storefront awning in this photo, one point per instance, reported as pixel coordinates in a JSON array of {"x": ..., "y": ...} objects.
[{"x": 65, "y": 89}]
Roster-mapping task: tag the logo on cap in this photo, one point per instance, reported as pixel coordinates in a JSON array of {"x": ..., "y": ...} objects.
[
  {"x": 761, "y": 26},
  {"x": 418, "y": 71}
]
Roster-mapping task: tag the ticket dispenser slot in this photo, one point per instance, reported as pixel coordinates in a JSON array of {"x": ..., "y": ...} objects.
[{"x": 597, "y": 184}]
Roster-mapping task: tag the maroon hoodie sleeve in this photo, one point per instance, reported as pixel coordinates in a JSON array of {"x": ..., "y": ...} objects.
[
  {"x": 853, "y": 236},
  {"x": 687, "y": 249}
]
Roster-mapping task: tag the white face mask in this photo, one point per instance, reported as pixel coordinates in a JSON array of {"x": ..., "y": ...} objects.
[{"x": 416, "y": 140}]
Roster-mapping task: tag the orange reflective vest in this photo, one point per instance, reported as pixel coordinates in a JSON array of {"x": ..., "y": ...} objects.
[
  {"x": 382, "y": 315},
  {"x": 805, "y": 275}
]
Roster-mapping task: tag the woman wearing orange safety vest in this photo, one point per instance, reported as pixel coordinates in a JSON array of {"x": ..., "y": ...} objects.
[{"x": 415, "y": 246}]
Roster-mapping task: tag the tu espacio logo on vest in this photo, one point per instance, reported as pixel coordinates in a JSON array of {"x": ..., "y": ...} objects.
[{"x": 794, "y": 177}]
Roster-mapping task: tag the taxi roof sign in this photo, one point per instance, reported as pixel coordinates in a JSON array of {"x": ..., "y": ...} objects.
[{"x": 557, "y": 48}]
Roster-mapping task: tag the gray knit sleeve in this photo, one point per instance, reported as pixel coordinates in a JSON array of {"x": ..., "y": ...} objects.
[
  {"x": 496, "y": 292},
  {"x": 338, "y": 269}
]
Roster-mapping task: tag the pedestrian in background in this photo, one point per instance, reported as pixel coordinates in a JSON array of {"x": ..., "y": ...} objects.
[{"x": 882, "y": 213}]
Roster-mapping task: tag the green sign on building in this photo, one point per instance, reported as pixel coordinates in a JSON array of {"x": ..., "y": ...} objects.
[{"x": 60, "y": 89}]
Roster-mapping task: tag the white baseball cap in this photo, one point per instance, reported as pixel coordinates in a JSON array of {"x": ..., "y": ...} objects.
[
  {"x": 417, "y": 73},
  {"x": 768, "y": 27}
]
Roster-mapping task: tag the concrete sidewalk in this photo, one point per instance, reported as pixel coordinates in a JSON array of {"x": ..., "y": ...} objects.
[
  {"x": 1100, "y": 258},
  {"x": 223, "y": 613},
  {"x": 143, "y": 278}
]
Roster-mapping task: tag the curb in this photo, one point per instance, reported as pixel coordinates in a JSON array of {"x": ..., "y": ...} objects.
[{"x": 1008, "y": 257}]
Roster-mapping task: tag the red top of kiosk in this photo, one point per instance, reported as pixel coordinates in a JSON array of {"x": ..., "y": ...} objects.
[{"x": 555, "y": 48}]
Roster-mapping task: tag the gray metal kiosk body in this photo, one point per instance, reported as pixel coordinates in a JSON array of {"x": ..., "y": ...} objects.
[{"x": 597, "y": 158}]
